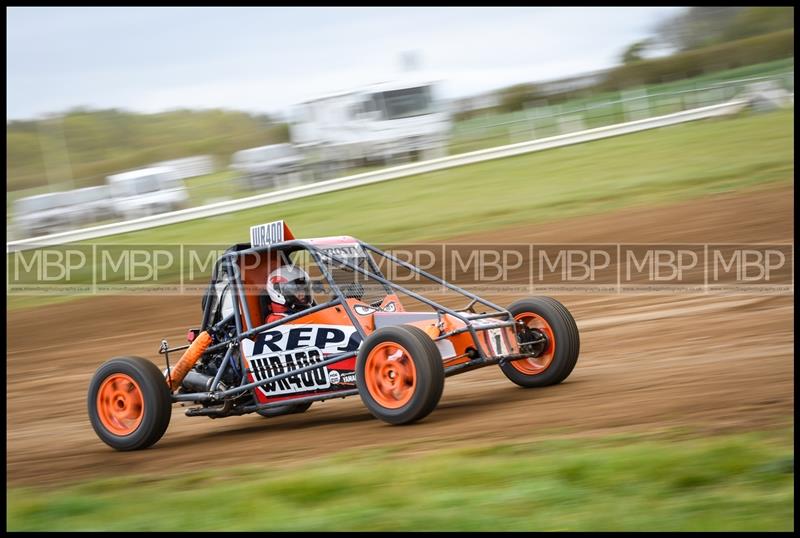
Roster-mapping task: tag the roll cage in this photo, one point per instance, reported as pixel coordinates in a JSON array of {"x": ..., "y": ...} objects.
[{"x": 231, "y": 329}]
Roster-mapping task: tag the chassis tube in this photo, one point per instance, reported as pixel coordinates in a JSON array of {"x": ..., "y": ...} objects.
[
  {"x": 392, "y": 285},
  {"x": 433, "y": 277},
  {"x": 222, "y": 367},
  {"x": 481, "y": 362},
  {"x": 498, "y": 325},
  {"x": 211, "y": 330},
  {"x": 487, "y": 315},
  {"x": 312, "y": 248},
  {"x": 214, "y": 413},
  {"x": 237, "y": 283},
  {"x": 339, "y": 294},
  {"x": 201, "y": 396},
  {"x": 236, "y": 314},
  {"x": 419, "y": 297}
]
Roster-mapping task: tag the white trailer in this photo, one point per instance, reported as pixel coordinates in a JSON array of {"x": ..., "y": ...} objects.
[
  {"x": 375, "y": 123},
  {"x": 189, "y": 167},
  {"x": 148, "y": 191},
  {"x": 44, "y": 214}
]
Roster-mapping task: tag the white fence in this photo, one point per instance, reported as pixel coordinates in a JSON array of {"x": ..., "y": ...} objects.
[
  {"x": 543, "y": 119},
  {"x": 385, "y": 174}
]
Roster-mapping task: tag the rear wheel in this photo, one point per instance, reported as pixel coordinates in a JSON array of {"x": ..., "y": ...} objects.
[
  {"x": 552, "y": 327},
  {"x": 399, "y": 374},
  {"x": 281, "y": 410},
  {"x": 129, "y": 403}
]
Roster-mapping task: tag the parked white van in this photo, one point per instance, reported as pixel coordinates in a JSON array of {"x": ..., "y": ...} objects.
[
  {"x": 44, "y": 214},
  {"x": 265, "y": 166},
  {"x": 93, "y": 203},
  {"x": 148, "y": 191}
]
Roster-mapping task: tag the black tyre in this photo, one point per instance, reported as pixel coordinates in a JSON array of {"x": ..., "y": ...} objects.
[
  {"x": 129, "y": 403},
  {"x": 281, "y": 410},
  {"x": 557, "y": 355},
  {"x": 399, "y": 374}
]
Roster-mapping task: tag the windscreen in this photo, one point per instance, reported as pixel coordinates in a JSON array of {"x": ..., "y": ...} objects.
[
  {"x": 277, "y": 152},
  {"x": 406, "y": 102},
  {"x": 147, "y": 184}
]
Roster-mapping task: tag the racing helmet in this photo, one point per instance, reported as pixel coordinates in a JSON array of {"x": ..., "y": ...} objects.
[{"x": 290, "y": 286}]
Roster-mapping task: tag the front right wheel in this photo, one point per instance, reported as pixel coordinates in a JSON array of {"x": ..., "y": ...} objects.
[{"x": 551, "y": 335}]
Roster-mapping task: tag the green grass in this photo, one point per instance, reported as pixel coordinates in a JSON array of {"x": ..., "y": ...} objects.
[
  {"x": 665, "y": 164},
  {"x": 212, "y": 188},
  {"x": 652, "y": 167},
  {"x": 732, "y": 482},
  {"x": 597, "y": 110}
]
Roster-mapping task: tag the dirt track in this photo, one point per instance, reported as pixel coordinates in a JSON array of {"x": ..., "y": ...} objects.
[{"x": 647, "y": 363}]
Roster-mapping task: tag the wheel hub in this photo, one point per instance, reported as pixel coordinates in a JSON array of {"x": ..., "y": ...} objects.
[
  {"x": 120, "y": 404},
  {"x": 536, "y": 341},
  {"x": 390, "y": 375}
]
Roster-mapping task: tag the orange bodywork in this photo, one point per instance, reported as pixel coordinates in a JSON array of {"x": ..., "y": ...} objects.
[{"x": 457, "y": 348}]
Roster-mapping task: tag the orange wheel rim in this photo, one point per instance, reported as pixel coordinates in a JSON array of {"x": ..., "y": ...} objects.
[
  {"x": 536, "y": 365},
  {"x": 120, "y": 405},
  {"x": 390, "y": 375}
]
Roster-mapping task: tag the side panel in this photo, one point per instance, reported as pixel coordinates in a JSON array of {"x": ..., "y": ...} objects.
[{"x": 300, "y": 343}]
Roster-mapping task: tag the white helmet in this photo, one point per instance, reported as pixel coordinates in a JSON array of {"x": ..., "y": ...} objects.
[{"x": 290, "y": 286}]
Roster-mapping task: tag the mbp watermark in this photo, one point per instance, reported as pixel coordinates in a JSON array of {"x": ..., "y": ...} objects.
[
  {"x": 747, "y": 268},
  {"x": 533, "y": 268}
]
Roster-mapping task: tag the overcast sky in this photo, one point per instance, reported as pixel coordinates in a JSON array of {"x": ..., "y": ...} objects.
[{"x": 265, "y": 59}]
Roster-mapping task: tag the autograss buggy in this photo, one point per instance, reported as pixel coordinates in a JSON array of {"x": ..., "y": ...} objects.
[{"x": 360, "y": 340}]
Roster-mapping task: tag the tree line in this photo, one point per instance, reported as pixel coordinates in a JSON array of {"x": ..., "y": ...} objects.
[{"x": 84, "y": 146}]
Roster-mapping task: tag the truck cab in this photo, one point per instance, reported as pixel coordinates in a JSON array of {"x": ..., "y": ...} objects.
[{"x": 377, "y": 123}]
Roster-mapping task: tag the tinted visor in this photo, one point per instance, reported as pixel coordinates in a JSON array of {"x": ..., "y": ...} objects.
[{"x": 297, "y": 292}]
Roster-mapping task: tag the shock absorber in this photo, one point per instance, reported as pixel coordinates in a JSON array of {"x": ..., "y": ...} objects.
[{"x": 189, "y": 358}]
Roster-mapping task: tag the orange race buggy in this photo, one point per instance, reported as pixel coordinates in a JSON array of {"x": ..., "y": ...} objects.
[{"x": 359, "y": 341}]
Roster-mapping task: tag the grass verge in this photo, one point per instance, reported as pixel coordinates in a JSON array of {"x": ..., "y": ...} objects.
[
  {"x": 671, "y": 163},
  {"x": 623, "y": 483}
]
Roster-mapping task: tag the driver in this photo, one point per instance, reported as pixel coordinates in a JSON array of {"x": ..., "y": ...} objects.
[{"x": 289, "y": 290}]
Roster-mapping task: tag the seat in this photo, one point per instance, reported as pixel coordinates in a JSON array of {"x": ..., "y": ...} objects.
[{"x": 254, "y": 278}]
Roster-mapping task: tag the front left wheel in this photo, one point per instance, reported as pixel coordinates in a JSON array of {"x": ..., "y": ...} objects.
[
  {"x": 399, "y": 374},
  {"x": 129, "y": 403}
]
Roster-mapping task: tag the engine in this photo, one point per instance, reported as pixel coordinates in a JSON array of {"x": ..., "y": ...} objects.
[{"x": 202, "y": 376}]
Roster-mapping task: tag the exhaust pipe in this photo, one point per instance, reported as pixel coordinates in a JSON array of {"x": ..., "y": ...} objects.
[{"x": 197, "y": 382}]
